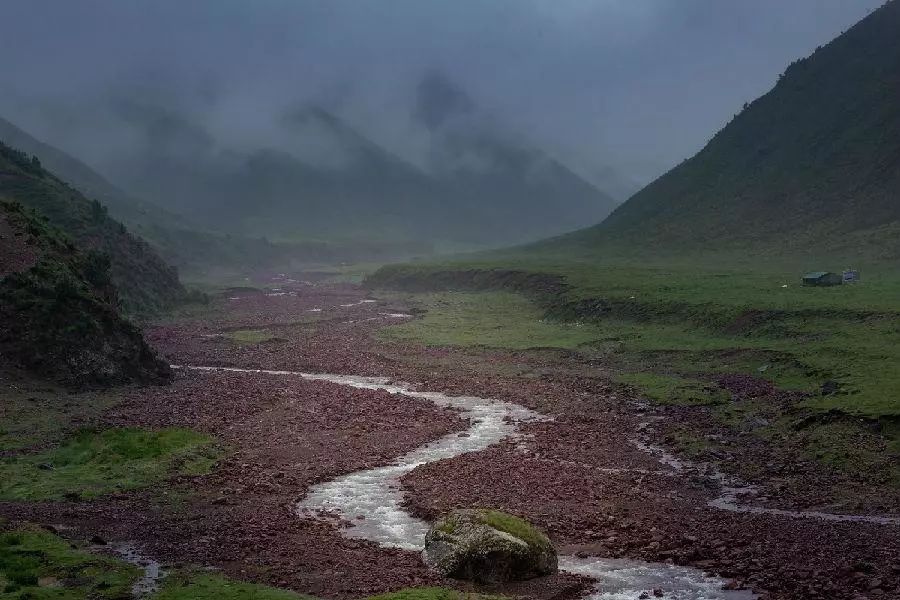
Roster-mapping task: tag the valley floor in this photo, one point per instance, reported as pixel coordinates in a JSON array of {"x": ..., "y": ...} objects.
[{"x": 595, "y": 477}]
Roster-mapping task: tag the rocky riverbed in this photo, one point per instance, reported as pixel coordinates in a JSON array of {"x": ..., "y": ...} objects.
[{"x": 583, "y": 473}]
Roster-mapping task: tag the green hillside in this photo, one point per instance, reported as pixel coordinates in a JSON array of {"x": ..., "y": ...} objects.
[
  {"x": 134, "y": 212},
  {"x": 58, "y": 309},
  {"x": 145, "y": 282},
  {"x": 811, "y": 168}
]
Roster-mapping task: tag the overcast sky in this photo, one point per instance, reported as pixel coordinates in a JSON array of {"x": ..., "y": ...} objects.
[{"x": 636, "y": 85}]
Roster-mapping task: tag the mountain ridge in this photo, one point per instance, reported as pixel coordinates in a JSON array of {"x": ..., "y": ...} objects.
[{"x": 811, "y": 166}]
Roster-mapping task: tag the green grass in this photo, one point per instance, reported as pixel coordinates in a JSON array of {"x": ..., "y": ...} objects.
[
  {"x": 689, "y": 320},
  {"x": 92, "y": 463},
  {"x": 490, "y": 319},
  {"x": 201, "y": 586},
  {"x": 433, "y": 593},
  {"x": 250, "y": 336},
  {"x": 37, "y": 565},
  {"x": 665, "y": 389},
  {"x": 41, "y": 413}
]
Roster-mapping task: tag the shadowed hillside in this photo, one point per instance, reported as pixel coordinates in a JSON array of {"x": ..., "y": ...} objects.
[
  {"x": 145, "y": 281},
  {"x": 58, "y": 309},
  {"x": 86, "y": 180},
  {"x": 811, "y": 167}
]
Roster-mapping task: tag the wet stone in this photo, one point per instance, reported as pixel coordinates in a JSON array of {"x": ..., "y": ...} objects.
[{"x": 488, "y": 547}]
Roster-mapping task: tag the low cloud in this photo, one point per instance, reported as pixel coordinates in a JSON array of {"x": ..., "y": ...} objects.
[{"x": 610, "y": 84}]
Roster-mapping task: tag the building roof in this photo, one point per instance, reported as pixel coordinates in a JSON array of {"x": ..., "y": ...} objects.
[{"x": 816, "y": 274}]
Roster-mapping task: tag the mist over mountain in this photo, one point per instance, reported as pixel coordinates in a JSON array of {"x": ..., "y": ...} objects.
[
  {"x": 320, "y": 178},
  {"x": 552, "y": 111},
  {"x": 494, "y": 179},
  {"x": 90, "y": 183}
]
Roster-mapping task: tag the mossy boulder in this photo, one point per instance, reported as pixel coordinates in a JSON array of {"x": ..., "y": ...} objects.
[{"x": 488, "y": 546}]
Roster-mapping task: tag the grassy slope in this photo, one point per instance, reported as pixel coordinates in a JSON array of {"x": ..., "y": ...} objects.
[
  {"x": 809, "y": 169},
  {"x": 123, "y": 207},
  {"x": 145, "y": 282}
]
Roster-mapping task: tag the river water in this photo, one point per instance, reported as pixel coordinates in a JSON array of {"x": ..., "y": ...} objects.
[{"x": 372, "y": 499}]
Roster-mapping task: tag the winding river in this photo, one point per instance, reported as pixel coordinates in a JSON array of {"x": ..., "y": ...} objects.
[{"x": 372, "y": 499}]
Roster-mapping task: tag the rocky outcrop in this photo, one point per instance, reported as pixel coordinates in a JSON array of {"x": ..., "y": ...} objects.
[
  {"x": 488, "y": 546},
  {"x": 59, "y": 314}
]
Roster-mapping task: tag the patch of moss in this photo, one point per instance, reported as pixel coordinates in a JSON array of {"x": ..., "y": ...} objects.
[
  {"x": 201, "y": 586},
  {"x": 92, "y": 463},
  {"x": 515, "y": 526},
  {"x": 447, "y": 526},
  {"x": 668, "y": 389},
  {"x": 38, "y": 565},
  {"x": 433, "y": 593}
]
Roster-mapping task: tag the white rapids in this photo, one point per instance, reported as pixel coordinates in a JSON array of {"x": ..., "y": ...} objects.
[{"x": 372, "y": 499}]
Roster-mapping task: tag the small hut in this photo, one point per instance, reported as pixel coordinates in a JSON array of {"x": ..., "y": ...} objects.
[{"x": 822, "y": 278}]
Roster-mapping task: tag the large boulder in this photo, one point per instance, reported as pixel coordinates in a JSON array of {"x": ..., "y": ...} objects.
[{"x": 488, "y": 546}]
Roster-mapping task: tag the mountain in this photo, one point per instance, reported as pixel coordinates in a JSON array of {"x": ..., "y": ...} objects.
[
  {"x": 330, "y": 181},
  {"x": 58, "y": 308},
  {"x": 502, "y": 187},
  {"x": 812, "y": 167},
  {"x": 146, "y": 283},
  {"x": 315, "y": 177},
  {"x": 86, "y": 180},
  {"x": 322, "y": 180},
  {"x": 181, "y": 241}
]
